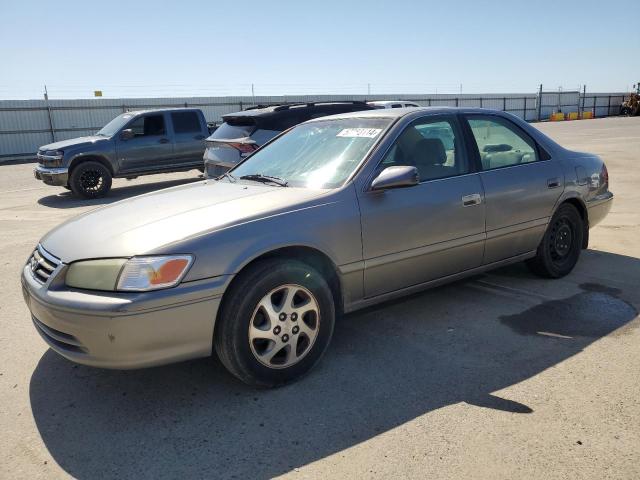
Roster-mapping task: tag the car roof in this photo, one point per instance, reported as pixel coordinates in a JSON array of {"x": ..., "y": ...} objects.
[
  {"x": 401, "y": 112},
  {"x": 158, "y": 110},
  {"x": 389, "y": 102}
]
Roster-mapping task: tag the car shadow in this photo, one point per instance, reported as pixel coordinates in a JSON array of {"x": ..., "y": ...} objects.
[
  {"x": 66, "y": 199},
  {"x": 387, "y": 365}
]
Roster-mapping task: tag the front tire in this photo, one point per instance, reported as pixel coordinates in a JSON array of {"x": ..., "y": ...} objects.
[
  {"x": 275, "y": 323},
  {"x": 90, "y": 180},
  {"x": 560, "y": 247}
]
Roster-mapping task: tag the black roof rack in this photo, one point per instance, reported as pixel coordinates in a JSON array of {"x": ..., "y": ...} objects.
[{"x": 287, "y": 106}]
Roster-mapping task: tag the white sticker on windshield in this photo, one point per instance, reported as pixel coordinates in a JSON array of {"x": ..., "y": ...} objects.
[{"x": 359, "y": 132}]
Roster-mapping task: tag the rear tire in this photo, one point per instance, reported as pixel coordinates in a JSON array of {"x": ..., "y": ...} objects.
[
  {"x": 560, "y": 247},
  {"x": 90, "y": 180},
  {"x": 275, "y": 323}
]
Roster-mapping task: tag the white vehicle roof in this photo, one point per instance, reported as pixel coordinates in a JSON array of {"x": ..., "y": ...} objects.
[{"x": 388, "y": 103}]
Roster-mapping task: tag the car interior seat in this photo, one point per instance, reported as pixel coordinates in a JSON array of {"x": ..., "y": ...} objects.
[{"x": 429, "y": 157}]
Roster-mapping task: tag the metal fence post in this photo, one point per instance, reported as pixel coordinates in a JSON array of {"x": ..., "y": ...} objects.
[
  {"x": 51, "y": 127},
  {"x": 539, "y": 102},
  {"x": 584, "y": 94},
  {"x": 609, "y": 106},
  {"x": 524, "y": 110},
  {"x": 504, "y": 104},
  {"x": 480, "y": 102}
]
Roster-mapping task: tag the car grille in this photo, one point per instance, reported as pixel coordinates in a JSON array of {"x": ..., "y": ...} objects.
[
  {"x": 42, "y": 264},
  {"x": 59, "y": 339}
]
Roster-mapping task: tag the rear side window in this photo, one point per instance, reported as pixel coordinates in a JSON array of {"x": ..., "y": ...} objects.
[
  {"x": 235, "y": 128},
  {"x": 396, "y": 105},
  {"x": 185, "y": 122},
  {"x": 500, "y": 143},
  {"x": 148, "y": 125}
]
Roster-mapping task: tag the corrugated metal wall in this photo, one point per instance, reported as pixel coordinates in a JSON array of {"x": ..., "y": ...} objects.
[{"x": 25, "y": 125}]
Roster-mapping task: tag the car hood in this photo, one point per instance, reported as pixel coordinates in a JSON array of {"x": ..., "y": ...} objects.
[
  {"x": 72, "y": 142},
  {"x": 146, "y": 223}
]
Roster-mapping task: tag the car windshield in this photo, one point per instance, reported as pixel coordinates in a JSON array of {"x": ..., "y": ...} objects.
[
  {"x": 319, "y": 154},
  {"x": 111, "y": 128}
]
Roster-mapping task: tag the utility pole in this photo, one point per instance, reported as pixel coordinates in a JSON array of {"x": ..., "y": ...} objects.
[
  {"x": 253, "y": 95},
  {"x": 460, "y": 89},
  {"x": 368, "y": 89}
]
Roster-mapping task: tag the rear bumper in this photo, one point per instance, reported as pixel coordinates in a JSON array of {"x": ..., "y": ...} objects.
[
  {"x": 52, "y": 176},
  {"x": 112, "y": 330},
  {"x": 598, "y": 208}
]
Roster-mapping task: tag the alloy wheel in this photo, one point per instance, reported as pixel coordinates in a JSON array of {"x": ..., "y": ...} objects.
[
  {"x": 91, "y": 180},
  {"x": 284, "y": 326}
]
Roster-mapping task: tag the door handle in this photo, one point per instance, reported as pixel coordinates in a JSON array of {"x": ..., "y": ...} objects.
[
  {"x": 553, "y": 183},
  {"x": 198, "y": 137},
  {"x": 163, "y": 140},
  {"x": 470, "y": 200}
]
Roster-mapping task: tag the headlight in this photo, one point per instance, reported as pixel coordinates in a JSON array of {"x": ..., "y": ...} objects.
[
  {"x": 54, "y": 153},
  {"x": 135, "y": 274},
  {"x": 51, "y": 158},
  {"x": 152, "y": 273},
  {"x": 95, "y": 274}
]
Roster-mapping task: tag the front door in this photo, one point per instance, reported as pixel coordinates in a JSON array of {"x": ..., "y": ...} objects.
[
  {"x": 521, "y": 184},
  {"x": 150, "y": 148},
  {"x": 431, "y": 230}
]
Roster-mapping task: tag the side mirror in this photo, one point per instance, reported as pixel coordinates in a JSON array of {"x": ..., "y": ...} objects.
[
  {"x": 126, "y": 134},
  {"x": 396, "y": 177}
]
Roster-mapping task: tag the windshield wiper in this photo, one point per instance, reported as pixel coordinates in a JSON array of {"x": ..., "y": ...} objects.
[{"x": 258, "y": 177}]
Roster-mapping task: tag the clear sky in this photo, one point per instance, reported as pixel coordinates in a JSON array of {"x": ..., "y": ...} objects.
[{"x": 159, "y": 48}]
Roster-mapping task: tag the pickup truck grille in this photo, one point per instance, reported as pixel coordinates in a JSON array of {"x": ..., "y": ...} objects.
[{"x": 42, "y": 264}]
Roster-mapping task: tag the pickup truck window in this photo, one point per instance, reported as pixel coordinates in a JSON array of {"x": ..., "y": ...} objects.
[
  {"x": 185, "y": 122},
  {"x": 148, "y": 125}
]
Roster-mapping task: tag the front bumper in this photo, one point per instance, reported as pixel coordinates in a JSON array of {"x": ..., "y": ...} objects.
[
  {"x": 52, "y": 176},
  {"x": 125, "y": 330}
]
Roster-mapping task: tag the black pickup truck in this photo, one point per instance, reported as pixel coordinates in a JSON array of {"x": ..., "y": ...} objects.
[{"x": 132, "y": 144}]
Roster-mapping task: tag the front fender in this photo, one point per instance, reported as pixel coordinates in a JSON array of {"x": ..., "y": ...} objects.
[{"x": 331, "y": 227}]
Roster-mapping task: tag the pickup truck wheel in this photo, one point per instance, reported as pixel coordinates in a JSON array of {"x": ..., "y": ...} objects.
[
  {"x": 90, "y": 180},
  {"x": 275, "y": 323},
  {"x": 560, "y": 248}
]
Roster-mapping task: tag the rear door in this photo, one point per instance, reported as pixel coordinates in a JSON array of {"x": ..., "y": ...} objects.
[
  {"x": 189, "y": 136},
  {"x": 151, "y": 148},
  {"x": 521, "y": 183}
]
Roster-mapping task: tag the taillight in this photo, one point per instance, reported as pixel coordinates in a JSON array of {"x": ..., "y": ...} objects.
[
  {"x": 604, "y": 176},
  {"x": 243, "y": 147}
]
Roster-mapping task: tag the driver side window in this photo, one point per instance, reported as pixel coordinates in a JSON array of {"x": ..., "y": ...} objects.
[
  {"x": 430, "y": 145},
  {"x": 148, "y": 125}
]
